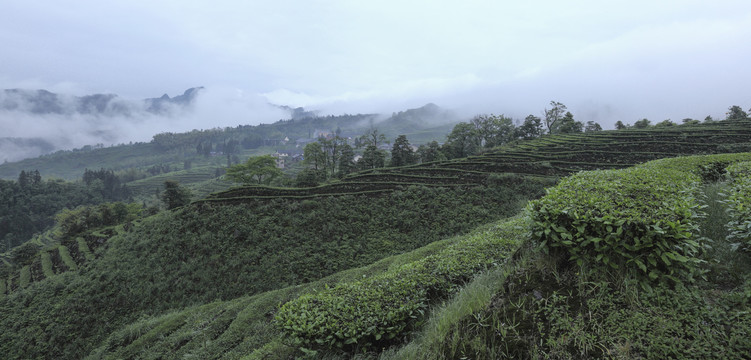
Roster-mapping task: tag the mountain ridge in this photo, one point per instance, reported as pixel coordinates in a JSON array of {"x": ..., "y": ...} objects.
[{"x": 42, "y": 101}]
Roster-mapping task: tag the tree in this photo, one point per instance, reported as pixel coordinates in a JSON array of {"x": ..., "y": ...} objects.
[
  {"x": 592, "y": 126},
  {"x": 690, "y": 121},
  {"x": 619, "y": 125},
  {"x": 567, "y": 125},
  {"x": 23, "y": 179},
  {"x": 257, "y": 169},
  {"x": 346, "y": 160},
  {"x": 174, "y": 195},
  {"x": 665, "y": 123},
  {"x": 736, "y": 113},
  {"x": 462, "y": 141},
  {"x": 331, "y": 151},
  {"x": 230, "y": 148},
  {"x": 372, "y": 158},
  {"x": 313, "y": 155},
  {"x": 401, "y": 152},
  {"x": 430, "y": 152},
  {"x": 553, "y": 115},
  {"x": 641, "y": 124},
  {"x": 372, "y": 137},
  {"x": 530, "y": 129},
  {"x": 493, "y": 130},
  {"x": 309, "y": 177}
]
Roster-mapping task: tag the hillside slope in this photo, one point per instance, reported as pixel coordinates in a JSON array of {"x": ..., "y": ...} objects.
[{"x": 234, "y": 244}]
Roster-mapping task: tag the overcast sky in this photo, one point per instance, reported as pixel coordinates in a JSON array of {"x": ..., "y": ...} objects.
[{"x": 607, "y": 60}]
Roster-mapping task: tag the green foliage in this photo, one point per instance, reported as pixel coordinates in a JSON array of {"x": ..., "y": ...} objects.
[
  {"x": 638, "y": 220},
  {"x": 735, "y": 112},
  {"x": 372, "y": 158},
  {"x": 346, "y": 161},
  {"x": 567, "y": 125},
  {"x": 641, "y": 124},
  {"x": 106, "y": 183},
  {"x": 363, "y": 314},
  {"x": 310, "y": 177},
  {"x": 251, "y": 334},
  {"x": 430, "y": 152},
  {"x": 25, "y": 277},
  {"x": 234, "y": 246},
  {"x": 29, "y": 209},
  {"x": 174, "y": 195},
  {"x": 493, "y": 130},
  {"x": 535, "y": 316},
  {"x": 257, "y": 169},
  {"x": 66, "y": 258},
  {"x": 593, "y": 126},
  {"x": 24, "y": 254},
  {"x": 463, "y": 141},
  {"x": 738, "y": 202},
  {"x": 206, "y": 252},
  {"x": 531, "y": 128},
  {"x": 84, "y": 249},
  {"x": 554, "y": 115},
  {"x": 402, "y": 153},
  {"x": 71, "y": 223},
  {"x": 710, "y": 168},
  {"x": 47, "y": 264}
]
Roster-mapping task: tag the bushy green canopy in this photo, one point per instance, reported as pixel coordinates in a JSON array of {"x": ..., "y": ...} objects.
[{"x": 258, "y": 169}]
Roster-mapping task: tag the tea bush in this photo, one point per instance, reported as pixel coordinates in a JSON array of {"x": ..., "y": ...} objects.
[
  {"x": 362, "y": 314},
  {"x": 738, "y": 202},
  {"x": 709, "y": 167},
  {"x": 638, "y": 220}
]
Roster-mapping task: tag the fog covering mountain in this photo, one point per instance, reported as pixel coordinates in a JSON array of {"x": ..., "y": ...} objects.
[{"x": 36, "y": 122}]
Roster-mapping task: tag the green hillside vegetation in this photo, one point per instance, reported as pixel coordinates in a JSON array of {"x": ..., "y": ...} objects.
[
  {"x": 547, "y": 306},
  {"x": 174, "y": 259},
  {"x": 233, "y": 275},
  {"x": 529, "y": 302},
  {"x": 169, "y": 152},
  {"x": 29, "y": 206},
  {"x": 549, "y": 156}
]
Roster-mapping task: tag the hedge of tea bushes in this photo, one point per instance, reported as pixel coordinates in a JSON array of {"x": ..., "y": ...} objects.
[
  {"x": 370, "y": 312},
  {"x": 642, "y": 220},
  {"x": 738, "y": 203},
  {"x": 709, "y": 167}
]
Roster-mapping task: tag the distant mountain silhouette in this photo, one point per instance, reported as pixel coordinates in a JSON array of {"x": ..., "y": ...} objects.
[{"x": 46, "y": 102}]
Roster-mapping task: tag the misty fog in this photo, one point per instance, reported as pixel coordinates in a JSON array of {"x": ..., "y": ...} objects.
[{"x": 215, "y": 107}]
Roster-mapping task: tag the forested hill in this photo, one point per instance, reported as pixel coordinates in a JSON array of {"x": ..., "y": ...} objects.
[{"x": 173, "y": 150}]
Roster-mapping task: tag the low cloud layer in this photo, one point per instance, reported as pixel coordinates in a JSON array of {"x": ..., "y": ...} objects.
[
  {"x": 606, "y": 60},
  {"x": 28, "y": 134}
]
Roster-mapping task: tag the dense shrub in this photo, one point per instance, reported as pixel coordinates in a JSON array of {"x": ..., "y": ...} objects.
[
  {"x": 640, "y": 220},
  {"x": 709, "y": 167},
  {"x": 738, "y": 202},
  {"x": 372, "y": 311},
  {"x": 84, "y": 218}
]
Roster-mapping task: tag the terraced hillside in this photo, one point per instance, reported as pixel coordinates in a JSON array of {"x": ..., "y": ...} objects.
[
  {"x": 179, "y": 273},
  {"x": 485, "y": 295},
  {"x": 55, "y": 258},
  {"x": 557, "y": 155}
]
